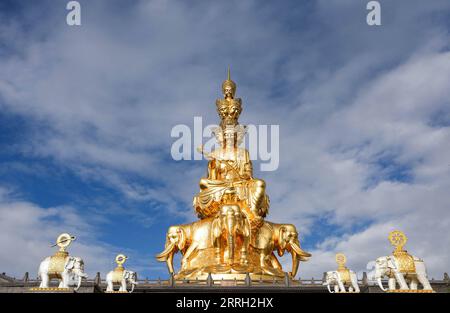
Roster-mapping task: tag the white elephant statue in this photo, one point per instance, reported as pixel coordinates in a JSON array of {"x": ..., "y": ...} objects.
[
  {"x": 70, "y": 269},
  {"x": 388, "y": 266},
  {"x": 123, "y": 278},
  {"x": 335, "y": 280}
]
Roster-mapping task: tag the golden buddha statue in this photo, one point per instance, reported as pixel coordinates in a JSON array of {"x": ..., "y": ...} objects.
[
  {"x": 230, "y": 172},
  {"x": 231, "y": 239}
]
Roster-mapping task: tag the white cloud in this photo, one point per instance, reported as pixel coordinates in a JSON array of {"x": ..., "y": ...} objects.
[
  {"x": 337, "y": 160},
  {"x": 28, "y": 231},
  {"x": 107, "y": 94}
]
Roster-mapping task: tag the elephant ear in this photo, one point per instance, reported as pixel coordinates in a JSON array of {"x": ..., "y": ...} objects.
[
  {"x": 70, "y": 263},
  {"x": 248, "y": 226},
  {"x": 216, "y": 229},
  {"x": 391, "y": 262},
  {"x": 126, "y": 275},
  {"x": 281, "y": 241},
  {"x": 181, "y": 239}
]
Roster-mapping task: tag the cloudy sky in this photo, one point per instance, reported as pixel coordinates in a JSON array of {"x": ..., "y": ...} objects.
[{"x": 86, "y": 114}]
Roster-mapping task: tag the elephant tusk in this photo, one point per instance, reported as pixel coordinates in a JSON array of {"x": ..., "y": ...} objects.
[
  {"x": 329, "y": 289},
  {"x": 164, "y": 255},
  {"x": 299, "y": 251},
  {"x": 381, "y": 284}
]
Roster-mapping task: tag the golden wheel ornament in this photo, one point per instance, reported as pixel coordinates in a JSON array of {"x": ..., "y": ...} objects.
[
  {"x": 398, "y": 239},
  {"x": 63, "y": 241},
  {"x": 341, "y": 259},
  {"x": 120, "y": 259}
]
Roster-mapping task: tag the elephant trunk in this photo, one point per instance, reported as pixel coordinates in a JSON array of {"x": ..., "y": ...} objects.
[
  {"x": 230, "y": 248},
  {"x": 381, "y": 284},
  {"x": 80, "y": 273},
  {"x": 230, "y": 231},
  {"x": 170, "y": 263},
  {"x": 79, "y": 283},
  {"x": 295, "y": 261},
  {"x": 132, "y": 287},
  {"x": 167, "y": 255}
]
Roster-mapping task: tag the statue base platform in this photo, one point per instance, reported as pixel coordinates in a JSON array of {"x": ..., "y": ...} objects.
[
  {"x": 116, "y": 291},
  {"x": 240, "y": 277},
  {"x": 231, "y": 273},
  {"x": 205, "y": 263},
  {"x": 51, "y": 290},
  {"x": 410, "y": 291}
]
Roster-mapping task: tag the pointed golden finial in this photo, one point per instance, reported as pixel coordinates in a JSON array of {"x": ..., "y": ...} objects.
[{"x": 228, "y": 86}]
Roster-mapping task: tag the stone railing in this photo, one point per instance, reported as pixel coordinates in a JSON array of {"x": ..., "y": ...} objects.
[{"x": 97, "y": 284}]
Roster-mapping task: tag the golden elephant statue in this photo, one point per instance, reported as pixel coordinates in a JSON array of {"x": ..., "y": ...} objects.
[
  {"x": 186, "y": 238},
  {"x": 231, "y": 229},
  {"x": 280, "y": 237}
]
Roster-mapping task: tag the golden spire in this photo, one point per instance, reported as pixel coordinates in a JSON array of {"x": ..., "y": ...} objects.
[{"x": 228, "y": 86}]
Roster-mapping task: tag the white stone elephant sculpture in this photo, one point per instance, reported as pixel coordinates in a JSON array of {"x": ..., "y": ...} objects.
[
  {"x": 333, "y": 279},
  {"x": 387, "y": 266},
  {"x": 73, "y": 269},
  {"x": 127, "y": 277}
]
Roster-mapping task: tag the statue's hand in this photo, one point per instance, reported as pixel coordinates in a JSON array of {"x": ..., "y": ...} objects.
[{"x": 207, "y": 155}]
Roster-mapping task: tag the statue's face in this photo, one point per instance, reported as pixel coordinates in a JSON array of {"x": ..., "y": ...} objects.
[{"x": 228, "y": 92}]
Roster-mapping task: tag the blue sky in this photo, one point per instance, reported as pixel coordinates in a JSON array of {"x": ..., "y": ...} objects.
[{"x": 86, "y": 114}]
